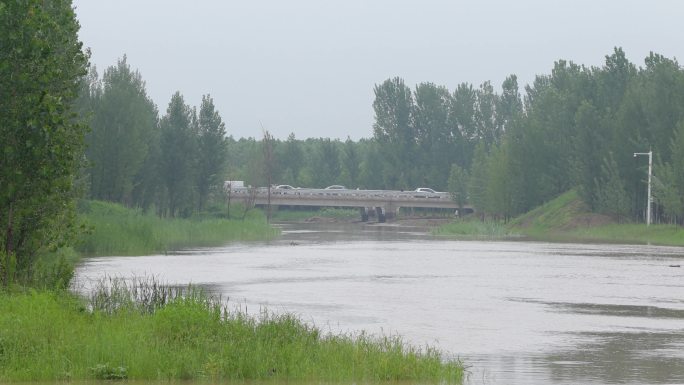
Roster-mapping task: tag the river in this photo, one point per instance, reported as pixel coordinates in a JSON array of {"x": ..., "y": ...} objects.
[{"x": 514, "y": 312}]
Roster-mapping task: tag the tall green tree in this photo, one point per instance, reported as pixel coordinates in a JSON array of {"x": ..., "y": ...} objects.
[
  {"x": 669, "y": 180},
  {"x": 477, "y": 183},
  {"x": 434, "y": 135},
  {"x": 485, "y": 115},
  {"x": 589, "y": 145},
  {"x": 395, "y": 133},
  {"x": 351, "y": 163},
  {"x": 293, "y": 160},
  {"x": 326, "y": 165},
  {"x": 178, "y": 158},
  {"x": 212, "y": 151},
  {"x": 41, "y": 66},
  {"x": 611, "y": 197},
  {"x": 500, "y": 191},
  {"x": 509, "y": 104},
  {"x": 124, "y": 127},
  {"x": 371, "y": 176},
  {"x": 458, "y": 186},
  {"x": 463, "y": 124}
]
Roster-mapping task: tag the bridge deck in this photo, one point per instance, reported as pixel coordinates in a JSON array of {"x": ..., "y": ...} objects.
[{"x": 388, "y": 199}]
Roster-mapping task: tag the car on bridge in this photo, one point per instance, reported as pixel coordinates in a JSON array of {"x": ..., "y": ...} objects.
[
  {"x": 426, "y": 192},
  {"x": 336, "y": 187},
  {"x": 284, "y": 187}
]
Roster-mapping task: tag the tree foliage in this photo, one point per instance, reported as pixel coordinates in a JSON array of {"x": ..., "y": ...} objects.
[
  {"x": 576, "y": 127},
  {"x": 458, "y": 186},
  {"x": 41, "y": 66},
  {"x": 124, "y": 131},
  {"x": 178, "y": 158},
  {"x": 212, "y": 150}
]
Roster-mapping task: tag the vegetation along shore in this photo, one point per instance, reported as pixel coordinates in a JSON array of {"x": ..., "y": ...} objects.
[
  {"x": 564, "y": 219},
  {"x": 113, "y": 229},
  {"x": 92, "y": 166},
  {"x": 145, "y": 331}
]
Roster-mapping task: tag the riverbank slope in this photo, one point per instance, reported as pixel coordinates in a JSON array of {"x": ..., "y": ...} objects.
[{"x": 566, "y": 219}]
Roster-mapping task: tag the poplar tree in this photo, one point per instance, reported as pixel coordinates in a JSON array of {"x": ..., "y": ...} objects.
[
  {"x": 123, "y": 134},
  {"x": 395, "y": 133},
  {"x": 41, "y": 65},
  {"x": 212, "y": 150},
  {"x": 178, "y": 158}
]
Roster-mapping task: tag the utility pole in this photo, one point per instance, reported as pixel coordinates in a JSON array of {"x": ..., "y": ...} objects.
[{"x": 650, "y": 171}]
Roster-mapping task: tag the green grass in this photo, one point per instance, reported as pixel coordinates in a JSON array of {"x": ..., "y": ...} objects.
[
  {"x": 46, "y": 336},
  {"x": 116, "y": 230},
  {"x": 672, "y": 235},
  {"x": 473, "y": 228},
  {"x": 567, "y": 219},
  {"x": 555, "y": 214}
]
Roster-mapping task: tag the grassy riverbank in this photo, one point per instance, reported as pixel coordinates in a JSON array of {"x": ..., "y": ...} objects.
[
  {"x": 566, "y": 219},
  {"x": 473, "y": 228},
  {"x": 48, "y": 336},
  {"x": 116, "y": 230}
]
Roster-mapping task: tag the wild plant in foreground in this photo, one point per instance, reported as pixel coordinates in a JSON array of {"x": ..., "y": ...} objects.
[
  {"x": 144, "y": 330},
  {"x": 142, "y": 294}
]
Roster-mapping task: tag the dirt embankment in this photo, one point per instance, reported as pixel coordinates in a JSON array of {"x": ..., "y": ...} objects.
[{"x": 404, "y": 221}]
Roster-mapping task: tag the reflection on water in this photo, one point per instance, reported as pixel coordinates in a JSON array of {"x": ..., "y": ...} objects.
[
  {"x": 609, "y": 357},
  {"x": 516, "y": 312},
  {"x": 615, "y": 310}
]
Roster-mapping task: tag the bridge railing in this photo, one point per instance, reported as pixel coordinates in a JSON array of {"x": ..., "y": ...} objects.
[{"x": 339, "y": 193}]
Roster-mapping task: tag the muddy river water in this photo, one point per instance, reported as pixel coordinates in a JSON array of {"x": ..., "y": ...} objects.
[{"x": 514, "y": 312}]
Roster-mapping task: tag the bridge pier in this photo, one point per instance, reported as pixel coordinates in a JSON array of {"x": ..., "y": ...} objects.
[
  {"x": 380, "y": 211},
  {"x": 364, "y": 214}
]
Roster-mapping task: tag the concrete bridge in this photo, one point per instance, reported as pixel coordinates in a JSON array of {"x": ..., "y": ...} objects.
[{"x": 382, "y": 203}]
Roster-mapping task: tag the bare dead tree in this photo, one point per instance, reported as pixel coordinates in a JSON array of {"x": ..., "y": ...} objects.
[
  {"x": 228, "y": 187},
  {"x": 267, "y": 147},
  {"x": 248, "y": 201}
]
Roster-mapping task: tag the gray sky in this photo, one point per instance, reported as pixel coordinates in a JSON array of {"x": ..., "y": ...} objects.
[{"x": 309, "y": 66}]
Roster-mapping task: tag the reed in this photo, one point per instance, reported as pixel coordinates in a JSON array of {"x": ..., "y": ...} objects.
[
  {"x": 116, "y": 230},
  {"x": 473, "y": 228},
  {"x": 186, "y": 335}
]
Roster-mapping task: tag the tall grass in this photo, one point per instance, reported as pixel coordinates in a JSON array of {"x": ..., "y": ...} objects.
[
  {"x": 115, "y": 229},
  {"x": 473, "y": 228},
  {"x": 50, "y": 337}
]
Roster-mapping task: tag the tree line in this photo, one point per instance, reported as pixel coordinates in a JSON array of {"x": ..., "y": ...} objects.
[
  {"x": 506, "y": 153},
  {"x": 172, "y": 163},
  {"x": 67, "y": 132},
  {"x": 579, "y": 128},
  {"x": 501, "y": 151}
]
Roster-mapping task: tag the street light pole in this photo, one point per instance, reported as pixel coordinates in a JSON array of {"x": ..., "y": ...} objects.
[{"x": 650, "y": 171}]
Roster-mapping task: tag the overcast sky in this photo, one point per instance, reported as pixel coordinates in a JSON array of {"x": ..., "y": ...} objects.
[{"x": 308, "y": 67}]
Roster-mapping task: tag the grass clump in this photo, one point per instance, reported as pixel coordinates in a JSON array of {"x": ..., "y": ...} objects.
[
  {"x": 185, "y": 335},
  {"x": 116, "y": 230}
]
